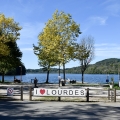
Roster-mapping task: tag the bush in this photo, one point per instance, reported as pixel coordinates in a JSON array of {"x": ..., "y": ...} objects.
[{"x": 116, "y": 86}]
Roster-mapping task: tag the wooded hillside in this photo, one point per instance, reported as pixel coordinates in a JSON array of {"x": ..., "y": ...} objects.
[{"x": 107, "y": 66}]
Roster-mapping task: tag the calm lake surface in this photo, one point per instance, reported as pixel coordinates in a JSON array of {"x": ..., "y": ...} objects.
[{"x": 53, "y": 78}]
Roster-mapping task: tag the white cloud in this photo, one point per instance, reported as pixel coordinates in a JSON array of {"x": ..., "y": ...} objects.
[
  {"x": 30, "y": 32},
  {"x": 106, "y": 44},
  {"x": 107, "y": 2},
  {"x": 27, "y": 6},
  {"x": 99, "y": 20},
  {"x": 85, "y": 29},
  {"x": 26, "y": 49},
  {"x": 107, "y": 50},
  {"x": 92, "y": 21},
  {"x": 107, "y": 54},
  {"x": 114, "y": 9}
]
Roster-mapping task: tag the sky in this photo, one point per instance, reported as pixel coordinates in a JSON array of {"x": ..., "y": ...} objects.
[{"x": 97, "y": 18}]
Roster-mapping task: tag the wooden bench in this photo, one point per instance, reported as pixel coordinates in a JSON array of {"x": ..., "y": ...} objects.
[
  {"x": 17, "y": 81},
  {"x": 72, "y": 81}
]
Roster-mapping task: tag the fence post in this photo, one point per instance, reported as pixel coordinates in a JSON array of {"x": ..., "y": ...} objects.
[
  {"x": 108, "y": 94},
  {"x": 30, "y": 93},
  {"x": 114, "y": 95},
  {"x": 59, "y": 98},
  {"x": 21, "y": 96},
  {"x": 87, "y": 96}
]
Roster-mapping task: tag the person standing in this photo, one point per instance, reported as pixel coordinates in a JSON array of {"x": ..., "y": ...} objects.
[{"x": 35, "y": 82}]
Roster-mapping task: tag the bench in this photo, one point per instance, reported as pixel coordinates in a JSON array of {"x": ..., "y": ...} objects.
[
  {"x": 17, "y": 81},
  {"x": 72, "y": 81}
]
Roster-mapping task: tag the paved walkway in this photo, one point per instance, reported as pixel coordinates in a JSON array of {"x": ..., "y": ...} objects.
[{"x": 24, "y": 110}]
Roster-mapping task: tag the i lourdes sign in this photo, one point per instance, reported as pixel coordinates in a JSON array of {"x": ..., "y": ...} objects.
[{"x": 59, "y": 92}]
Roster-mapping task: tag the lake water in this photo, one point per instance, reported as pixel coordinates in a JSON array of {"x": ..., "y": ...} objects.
[{"x": 53, "y": 78}]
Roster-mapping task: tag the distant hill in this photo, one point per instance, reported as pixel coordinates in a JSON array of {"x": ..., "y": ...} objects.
[
  {"x": 108, "y": 61},
  {"x": 107, "y": 66}
]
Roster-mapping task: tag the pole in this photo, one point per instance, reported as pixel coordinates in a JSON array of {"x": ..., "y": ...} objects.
[
  {"x": 87, "y": 96},
  {"x": 21, "y": 90},
  {"x": 59, "y": 82},
  {"x": 30, "y": 93},
  {"x": 114, "y": 95},
  {"x": 108, "y": 94},
  {"x": 59, "y": 77},
  {"x": 21, "y": 73}
]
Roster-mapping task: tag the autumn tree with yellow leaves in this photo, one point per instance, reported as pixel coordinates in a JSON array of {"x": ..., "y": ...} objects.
[{"x": 57, "y": 40}]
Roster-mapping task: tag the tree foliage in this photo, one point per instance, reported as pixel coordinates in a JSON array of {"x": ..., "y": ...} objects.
[
  {"x": 57, "y": 39},
  {"x": 44, "y": 59},
  {"x": 12, "y": 60},
  {"x": 9, "y": 31},
  {"x": 10, "y": 55}
]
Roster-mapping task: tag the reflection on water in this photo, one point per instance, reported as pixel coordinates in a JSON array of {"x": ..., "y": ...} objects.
[{"x": 53, "y": 78}]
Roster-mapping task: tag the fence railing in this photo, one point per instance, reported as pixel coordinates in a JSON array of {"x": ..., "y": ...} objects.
[
  {"x": 110, "y": 94},
  {"x": 18, "y": 90}
]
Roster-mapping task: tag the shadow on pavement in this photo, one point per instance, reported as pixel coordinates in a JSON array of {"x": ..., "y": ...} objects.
[{"x": 57, "y": 111}]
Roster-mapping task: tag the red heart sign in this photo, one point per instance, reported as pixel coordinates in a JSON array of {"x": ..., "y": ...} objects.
[{"x": 42, "y": 91}]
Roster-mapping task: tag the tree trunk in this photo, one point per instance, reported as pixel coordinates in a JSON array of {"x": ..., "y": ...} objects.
[
  {"x": 64, "y": 71},
  {"x": 47, "y": 76},
  {"x": 82, "y": 71},
  {"x": 3, "y": 77},
  {"x": 82, "y": 77},
  {"x": 59, "y": 74},
  {"x": 59, "y": 68}
]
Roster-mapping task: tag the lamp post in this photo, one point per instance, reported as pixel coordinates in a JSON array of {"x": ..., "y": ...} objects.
[
  {"x": 21, "y": 72},
  {"x": 59, "y": 77}
]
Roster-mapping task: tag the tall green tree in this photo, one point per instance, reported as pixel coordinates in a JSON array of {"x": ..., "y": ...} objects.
[
  {"x": 85, "y": 53},
  {"x": 58, "y": 37},
  {"x": 9, "y": 31},
  {"x": 45, "y": 59},
  {"x": 9, "y": 34},
  {"x": 12, "y": 60}
]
